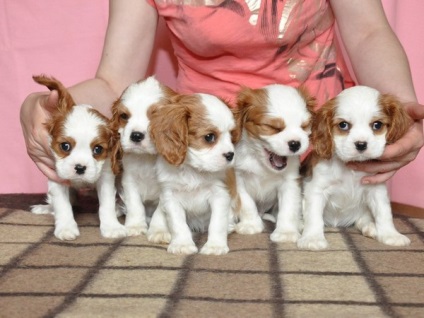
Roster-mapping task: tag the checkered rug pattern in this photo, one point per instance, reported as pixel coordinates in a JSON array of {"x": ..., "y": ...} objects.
[{"x": 41, "y": 276}]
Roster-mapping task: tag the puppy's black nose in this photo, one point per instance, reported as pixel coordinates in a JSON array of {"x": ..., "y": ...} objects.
[
  {"x": 229, "y": 156},
  {"x": 361, "y": 145},
  {"x": 294, "y": 145},
  {"x": 79, "y": 169},
  {"x": 137, "y": 136}
]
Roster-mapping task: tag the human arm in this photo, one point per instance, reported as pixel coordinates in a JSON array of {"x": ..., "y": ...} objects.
[
  {"x": 379, "y": 61},
  {"x": 125, "y": 58}
]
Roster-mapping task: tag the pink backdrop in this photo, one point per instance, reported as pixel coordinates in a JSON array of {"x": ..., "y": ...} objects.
[{"x": 64, "y": 39}]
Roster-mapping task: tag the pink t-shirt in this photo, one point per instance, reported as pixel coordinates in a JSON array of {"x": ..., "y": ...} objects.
[{"x": 221, "y": 45}]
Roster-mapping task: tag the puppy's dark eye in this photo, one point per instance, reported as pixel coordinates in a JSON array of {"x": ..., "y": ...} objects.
[
  {"x": 344, "y": 125},
  {"x": 65, "y": 146},
  {"x": 210, "y": 138},
  {"x": 123, "y": 116},
  {"x": 97, "y": 150},
  {"x": 377, "y": 125}
]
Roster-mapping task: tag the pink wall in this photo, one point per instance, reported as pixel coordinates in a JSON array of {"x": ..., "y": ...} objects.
[
  {"x": 64, "y": 39},
  {"x": 407, "y": 186}
]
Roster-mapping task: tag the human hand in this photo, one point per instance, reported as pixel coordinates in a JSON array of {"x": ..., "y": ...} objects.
[
  {"x": 35, "y": 111},
  {"x": 396, "y": 155}
]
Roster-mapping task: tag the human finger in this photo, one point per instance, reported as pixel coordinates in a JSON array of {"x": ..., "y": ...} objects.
[{"x": 378, "y": 178}]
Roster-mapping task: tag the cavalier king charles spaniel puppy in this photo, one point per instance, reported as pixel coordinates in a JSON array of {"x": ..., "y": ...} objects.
[
  {"x": 134, "y": 153},
  {"x": 80, "y": 140},
  {"x": 353, "y": 127},
  {"x": 193, "y": 136},
  {"x": 274, "y": 123}
]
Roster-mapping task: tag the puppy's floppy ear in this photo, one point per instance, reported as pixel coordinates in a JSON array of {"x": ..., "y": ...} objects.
[
  {"x": 66, "y": 102},
  {"x": 169, "y": 129},
  {"x": 247, "y": 99},
  {"x": 322, "y": 130},
  {"x": 399, "y": 118},
  {"x": 310, "y": 101},
  {"x": 116, "y": 153}
]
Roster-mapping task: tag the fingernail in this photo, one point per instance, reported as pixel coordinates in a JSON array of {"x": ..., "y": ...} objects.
[{"x": 365, "y": 182}]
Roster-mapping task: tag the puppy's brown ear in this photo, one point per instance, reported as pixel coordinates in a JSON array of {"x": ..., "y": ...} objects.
[
  {"x": 65, "y": 99},
  {"x": 399, "y": 120},
  {"x": 116, "y": 153},
  {"x": 310, "y": 101},
  {"x": 169, "y": 130},
  {"x": 322, "y": 130},
  {"x": 250, "y": 106}
]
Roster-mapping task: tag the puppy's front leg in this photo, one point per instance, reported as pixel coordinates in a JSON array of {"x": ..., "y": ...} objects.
[
  {"x": 313, "y": 232},
  {"x": 106, "y": 192},
  {"x": 135, "y": 220},
  {"x": 158, "y": 231},
  {"x": 289, "y": 208},
  {"x": 250, "y": 221},
  {"x": 218, "y": 228},
  {"x": 181, "y": 238},
  {"x": 379, "y": 203},
  {"x": 65, "y": 226}
]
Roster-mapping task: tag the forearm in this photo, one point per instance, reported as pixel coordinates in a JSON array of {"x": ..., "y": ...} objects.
[
  {"x": 379, "y": 61},
  {"x": 95, "y": 92},
  {"x": 376, "y": 55},
  {"x": 126, "y": 54}
]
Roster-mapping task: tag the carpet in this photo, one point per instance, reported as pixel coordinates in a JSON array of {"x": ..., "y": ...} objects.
[{"x": 41, "y": 276}]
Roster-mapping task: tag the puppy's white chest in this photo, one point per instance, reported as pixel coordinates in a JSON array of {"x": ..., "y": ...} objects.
[
  {"x": 141, "y": 169},
  {"x": 345, "y": 197}
]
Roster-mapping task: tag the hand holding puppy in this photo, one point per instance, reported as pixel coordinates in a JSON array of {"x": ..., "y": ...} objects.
[{"x": 35, "y": 132}]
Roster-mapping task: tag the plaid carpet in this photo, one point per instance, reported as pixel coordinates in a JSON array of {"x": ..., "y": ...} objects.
[{"x": 41, "y": 276}]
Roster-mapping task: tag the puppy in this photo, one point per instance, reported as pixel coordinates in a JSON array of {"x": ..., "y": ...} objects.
[
  {"x": 274, "y": 123},
  {"x": 354, "y": 126},
  {"x": 192, "y": 134},
  {"x": 80, "y": 141},
  {"x": 135, "y": 153}
]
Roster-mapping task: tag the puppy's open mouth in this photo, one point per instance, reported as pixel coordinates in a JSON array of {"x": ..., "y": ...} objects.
[{"x": 277, "y": 162}]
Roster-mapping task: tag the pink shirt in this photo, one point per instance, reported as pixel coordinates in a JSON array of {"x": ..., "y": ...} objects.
[{"x": 223, "y": 44}]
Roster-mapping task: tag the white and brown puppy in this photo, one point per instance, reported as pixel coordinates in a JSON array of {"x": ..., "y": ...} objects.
[
  {"x": 275, "y": 123},
  {"x": 135, "y": 153},
  {"x": 80, "y": 140},
  {"x": 354, "y": 126},
  {"x": 192, "y": 134}
]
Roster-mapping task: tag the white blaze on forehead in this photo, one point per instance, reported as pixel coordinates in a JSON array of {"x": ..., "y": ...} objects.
[
  {"x": 140, "y": 96},
  {"x": 82, "y": 124},
  {"x": 359, "y": 102},
  {"x": 218, "y": 112},
  {"x": 286, "y": 102}
]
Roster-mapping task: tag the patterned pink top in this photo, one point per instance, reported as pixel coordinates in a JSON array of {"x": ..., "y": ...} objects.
[{"x": 223, "y": 44}]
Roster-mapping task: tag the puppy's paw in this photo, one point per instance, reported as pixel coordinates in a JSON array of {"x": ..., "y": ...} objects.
[
  {"x": 250, "y": 227},
  {"x": 182, "y": 248},
  {"x": 214, "y": 249},
  {"x": 316, "y": 242},
  {"x": 231, "y": 227},
  {"x": 284, "y": 236},
  {"x": 134, "y": 230},
  {"x": 158, "y": 236},
  {"x": 394, "y": 239},
  {"x": 113, "y": 231},
  {"x": 67, "y": 232},
  {"x": 369, "y": 230},
  {"x": 42, "y": 209}
]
